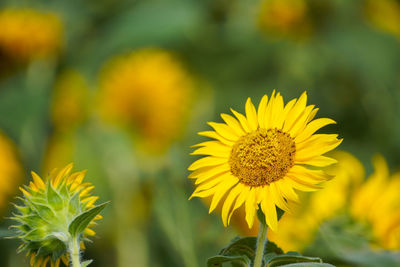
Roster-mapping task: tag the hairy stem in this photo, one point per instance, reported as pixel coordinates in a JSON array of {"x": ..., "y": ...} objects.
[
  {"x": 261, "y": 241},
  {"x": 74, "y": 252}
]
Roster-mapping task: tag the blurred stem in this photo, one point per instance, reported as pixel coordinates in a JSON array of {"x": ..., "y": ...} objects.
[
  {"x": 74, "y": 252},
  {"x": 261, "y": 242}
]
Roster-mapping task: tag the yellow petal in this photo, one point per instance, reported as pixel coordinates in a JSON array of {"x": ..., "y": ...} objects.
[
  {"x": 211, "y": 172},
  {"x": 269, "y": 210},
  {"x": 222, "y": 189},
  {"x": 295, "y": 112},
  {"x": 243, "y": 121},
  {"x": 312, "y": 115},
  {"x": 301, "y": 122},
  {"x": 37, "y": 180},
  {"x": 323, "y": 145},
  {"x": 319, "y": 161},
  {"x": 215, "y": 135},
  {"x": 245, "y": 190},
  {"x": 206, "y": 161},
  {"x": 268, "y": 120},
  {"x": 261, "y": 111},
  {"x": 312, "y": 127},
  {"x": 224, "y": 130},
  {"x": 233, "y": 124},
  {"x": 216, "y": 149},
  {"x": 276, "y": 196},
  {"x": 282, "y": 117},
  {"x": 251, "y": 207},
  {"x": 286, "y": 189},
  {"x": 65, "y": 171},
  {"x": 212, "y": 182},
  {"x": 317, "y": 175},
  {"x": 277, "y": 110},
  {"x": 251, "y": 115},
  {"x": 229, "y": 201},
  {"x": 301, "y": 185}
]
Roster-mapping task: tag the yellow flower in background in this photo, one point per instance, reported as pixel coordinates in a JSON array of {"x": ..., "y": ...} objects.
[
  {"x": 10, "y": 170},
  {"x": 26, "y": 33},
  {"x": 320, "y": 206},
  {"x": 147, "y": 91},
  {"x": 61, "y": 149},
  {"x": 377, "y": 204},
  {"x": 284, "y": 17},
  {"x": 260, "y": 158},
  {"x": 384, "y": 14},
  {"x": 47, "y": 215},
  {"x": 69, "y": 101}
]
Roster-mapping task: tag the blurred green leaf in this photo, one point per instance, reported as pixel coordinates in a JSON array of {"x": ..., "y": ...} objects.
[
  {"x": 342, "y": 240},
  {"x": 236, "y": 261},
  {"x": 274, "y": 260}
]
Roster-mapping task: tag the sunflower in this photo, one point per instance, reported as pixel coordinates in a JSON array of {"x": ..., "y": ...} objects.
[
  {"x": 69, "y": 100},
  {"x": 259, "y": 159},
  {"x": 384, "y": 14},
  {"x": 27, "y": 33},
  {"x": 10, "y": 170},
  {"x": 320, "y": 206},
  {"x": 284, "y": 17},
  {"x": 147, "y": 91},
  {"x": 49, "y": 207},
  {"x": 377, "y": 204}
]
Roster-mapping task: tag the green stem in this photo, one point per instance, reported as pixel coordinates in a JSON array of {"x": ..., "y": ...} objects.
[
  {"x": 74, "y": 252},
  {"x": 261, "y": 242}
]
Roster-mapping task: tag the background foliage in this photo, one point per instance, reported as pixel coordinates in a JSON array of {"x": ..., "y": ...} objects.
[{"x": 347, "y": 61}]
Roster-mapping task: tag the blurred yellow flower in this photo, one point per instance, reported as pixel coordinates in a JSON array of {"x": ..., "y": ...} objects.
[
  {"x": 284, "y": 17},
  {"x": 149, "y": 92},
  {"x": 10, "y": 170},
  {"x": 259, "y": 159},
  {"x": 26, "y": 33},
  {"x": 69, "y": 101},
  {"x": 377, "y": 203},
  {"x": 60, "y": 150},
  {"x": 384, "y": 14},
  {"x": 320, "y": 206}
]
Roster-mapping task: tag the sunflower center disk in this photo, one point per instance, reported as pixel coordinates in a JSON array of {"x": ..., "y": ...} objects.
[{"x": 262, "y": 157}]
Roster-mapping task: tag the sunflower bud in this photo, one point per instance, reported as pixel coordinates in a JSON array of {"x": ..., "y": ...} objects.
[{"x": 55, "y": 215}]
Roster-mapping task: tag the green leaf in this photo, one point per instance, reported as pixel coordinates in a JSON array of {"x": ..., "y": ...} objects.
[
  {"x": 86, "y": 263},
  {"x": 78, "y": 225},
  {"x": 218, "y": 261},
  {"x": 308, "y": 264},
  {"x": 54, "y": 199},
  {"x": 279, "y": 260},
  {"x": 240, "y": 246}
]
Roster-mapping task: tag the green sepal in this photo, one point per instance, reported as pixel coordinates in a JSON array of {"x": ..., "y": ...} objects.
[
  {"x": 78, "y": 225},
  {"x": 86, "y": 263},
  {"x": 45, "y": 212},
  {"x": 54, "y": 199},
  {"x": 35, "y": 234},
  {"x": 75, "y": 203},
  {"x": 64, "y": 191},
  {"x": 26, "y": 219}
]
